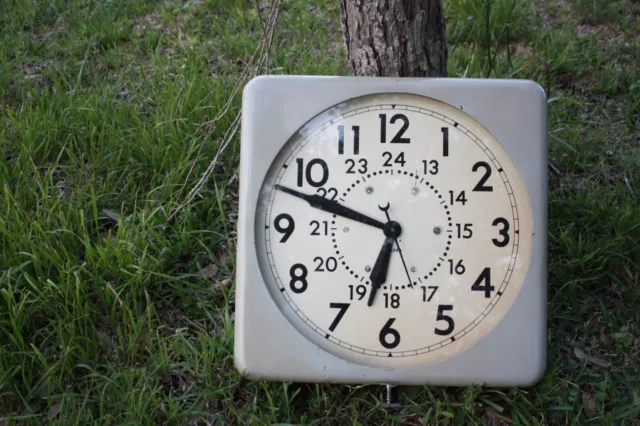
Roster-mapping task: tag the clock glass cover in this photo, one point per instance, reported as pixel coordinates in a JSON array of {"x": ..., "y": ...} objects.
[{"x": 393, "y": 230}]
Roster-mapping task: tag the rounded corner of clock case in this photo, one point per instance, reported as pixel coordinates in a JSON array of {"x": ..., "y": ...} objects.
[
  {"x": 247, "y": 368},
  {"x": 240, "y": 363},
  {"x": 536, "y": 373},
  {"x": 255, "y": 83},
  {"x": 533, "y": 89}
]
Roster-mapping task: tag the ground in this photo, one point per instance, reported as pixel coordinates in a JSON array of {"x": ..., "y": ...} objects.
[{"x": 111, "y": 313}]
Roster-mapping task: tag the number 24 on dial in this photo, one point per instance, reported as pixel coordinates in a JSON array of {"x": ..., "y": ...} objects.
[{"x": 393, "y": 230}]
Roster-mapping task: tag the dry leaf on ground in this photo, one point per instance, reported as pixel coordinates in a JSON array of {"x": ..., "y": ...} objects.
[
  {"x": 581, "y": 354},
  {"x": 589, "y": 404},
  {"x": 55, "y": 410},
  {"x": 494, "y": 417},
  {"x": 208, "y": 271}
]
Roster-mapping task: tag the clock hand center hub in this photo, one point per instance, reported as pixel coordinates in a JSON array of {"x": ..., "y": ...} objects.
[{"x": 392, "y": 229}]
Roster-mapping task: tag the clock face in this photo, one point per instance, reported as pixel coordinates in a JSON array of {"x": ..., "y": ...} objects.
[{"x": 393, "y": 230}]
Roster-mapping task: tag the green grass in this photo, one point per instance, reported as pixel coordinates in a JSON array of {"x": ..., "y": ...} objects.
[{"x": 106, "y": 315}]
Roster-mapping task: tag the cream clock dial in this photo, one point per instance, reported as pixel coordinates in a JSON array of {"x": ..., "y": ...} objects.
[{"x": 393, "y": 230}]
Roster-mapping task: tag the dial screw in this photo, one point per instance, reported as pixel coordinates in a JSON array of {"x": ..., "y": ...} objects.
[
  {"x": 367, "y": 268},
  {"x": 437, "y": 230},
  {"x": 345, "y": 229},
  {"x": 369, "y": 189},
  {"x": 414, "y": 269},
  {"x": 414, "y": 191}
]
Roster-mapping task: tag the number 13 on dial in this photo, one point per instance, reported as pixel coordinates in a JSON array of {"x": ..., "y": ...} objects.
[{"x": 393, "y": 231}]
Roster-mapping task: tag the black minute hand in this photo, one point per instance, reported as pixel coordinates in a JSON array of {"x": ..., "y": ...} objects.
[{"x": 318, "y": 202}]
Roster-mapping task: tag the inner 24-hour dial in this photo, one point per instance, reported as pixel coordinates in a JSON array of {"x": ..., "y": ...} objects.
[
  {"x": 427, "y": 208},
  {"x": 393, "y": 230}
]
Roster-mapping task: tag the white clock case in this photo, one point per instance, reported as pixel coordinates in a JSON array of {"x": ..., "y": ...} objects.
[{"x": 268, "y": 346}]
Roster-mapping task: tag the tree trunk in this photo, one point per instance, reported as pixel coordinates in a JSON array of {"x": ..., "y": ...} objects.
[{"x": 395, "y": 38}]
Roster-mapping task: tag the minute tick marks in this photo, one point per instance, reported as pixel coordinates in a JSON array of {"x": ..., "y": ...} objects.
[{"x": 325, "y": 273}]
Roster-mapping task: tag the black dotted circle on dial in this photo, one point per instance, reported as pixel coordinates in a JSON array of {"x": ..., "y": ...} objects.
[
  {"x": 343, "y": 263},
  {"x": 449, "y": 225}
]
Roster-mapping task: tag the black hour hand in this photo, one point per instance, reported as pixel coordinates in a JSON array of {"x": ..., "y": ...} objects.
[
  {"x": 318, "y": 202},
  {"x": 379, "y": 272}
]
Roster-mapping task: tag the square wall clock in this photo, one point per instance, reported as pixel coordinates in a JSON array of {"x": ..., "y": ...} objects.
[{"x": 392, "y": 231}]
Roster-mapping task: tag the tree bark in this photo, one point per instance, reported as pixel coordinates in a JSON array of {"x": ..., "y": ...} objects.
[{"x": 395, "y": 38}]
